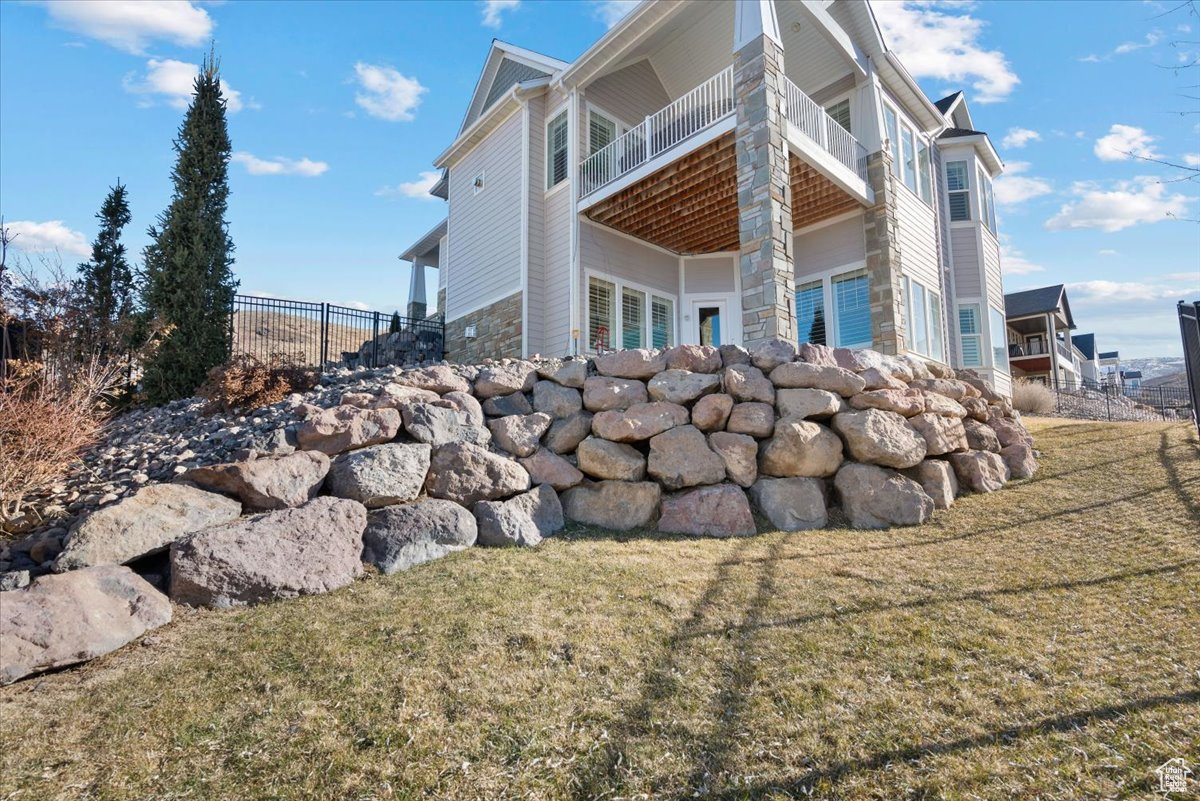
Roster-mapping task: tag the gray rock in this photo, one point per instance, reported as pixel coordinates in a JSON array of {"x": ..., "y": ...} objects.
[
  {"x": 980, "y": 436},
  {"x": 740, "y": 454},
  {"x": 681, "y": 458},
  {"x": 941, "y": 434},
  {"x": 505, "y": 379},
  {"x": 770, "y": 353},
  {"x": 465, "y": 402},
  {"x": 466, "y": 474},
  {"x": 636, "y": 363},
  {"x": 755, "y": 419},
  {"x": 565, "y": 435},
  {"x": 602, "y": 459},
  {"x": 747, "y": 383},
  {"x": 1019, "y": 459},
  {"x": 802, "y": 375},
  {"x": 980, "y": 471},
  {"x": 905, "y": 402},
  {"x": 640, "y": 421},
  {"x": 400, "y": 537},
  {"x": 800, "y": 448},
  {"x": 344, "y": 428},
  {"x": 682, "y": 387},
  {"x": 440, "y": 425},
  {"x": 14, "y": 580},
  {"x": 381, "y": 475},
  {"x": 144, "y": 523},
  {"x": 437, "y": 378},
  {"x": 720, "y": 510},
  {"x": 310, "y": 549},
  {"x": 614, "y": 505},
  {"x": 63, "y": 620},
  {"x": 547, "y": 467},
  {"x": 504, "y": 405},
  {"x": 694, "y": 358},
  {"x": 524, "y": 520},
  {"x": 733, "y": 354},
  {"x": 267, "y": 483},
  {"x": 603, "y": 393},
  {"x": 568, "y": 373},
  {"x": 873, "y": 497},
  {"x": 936, "y": 403},
  {"x": 806, "y": 403},
  {"x": 556, "y": 400},
  {"x": 937, "y": 478},
  {"x": 791, "y": 504},
  {"x": 877, "y": 437},
  {"x": 821, "y": 355},
  {"x": 520, "y": 434}
]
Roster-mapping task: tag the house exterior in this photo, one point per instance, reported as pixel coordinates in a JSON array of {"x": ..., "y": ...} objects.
[
  {"x": 1110, "y": 368},
  {"x": 1040, "y": 344},
  {"x": 713, "y": 172},
  {"x": 1089, "y": 359}
]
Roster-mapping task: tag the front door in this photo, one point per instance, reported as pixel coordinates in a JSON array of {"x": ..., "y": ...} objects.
[{"x": 710, "y": 322}]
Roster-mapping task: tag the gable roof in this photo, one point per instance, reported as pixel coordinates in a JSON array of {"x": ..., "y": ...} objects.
[
  {"x": 1110, "y": 354},
  {"x": 1038, "y": 301},
  {"x": 1086, "y": 344},
  {"x": 506, "y": 65},
  {"x": 946, "y": 103}
]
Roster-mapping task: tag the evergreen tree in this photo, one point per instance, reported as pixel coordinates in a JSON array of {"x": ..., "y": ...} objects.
[
  {"x": 106, "y": 281},
  {"x": 816, "y": 333},
  {"x": 189, "y": 283},
  {"x": 394, "y": 327}
]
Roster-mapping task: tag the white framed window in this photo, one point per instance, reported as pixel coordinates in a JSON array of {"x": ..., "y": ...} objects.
[
  {"x": 935, "y": 327},
  {"x": 478, "y": 184},
  {"x": 840, "y": 111},
  {"x": 891, "y": 124},
  {"x": 924, "y": 312},
  {"x": 557, "y": 139},
  {"x": 924, "y": 177},
  {"x": 970, "y": 335},
  {"x": 633, "y": 318},
  {"x": 662, "y": 322},
  {"x": 602, "y": 130},
  {"x": 999, "y": 338},
  {"x": 909, "y": 152},
  {"x": 987, "y": 203},
  {"x": 621, "y": 314},
  {"x": 835, "y": 310},
  {"x": 810, "y": 312},
  {"x": 958, "y": 191},
  {"x": 602, "y": 314}
]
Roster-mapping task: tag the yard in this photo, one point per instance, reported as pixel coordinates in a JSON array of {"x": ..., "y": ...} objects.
[{"x": 1043, "y": 642}]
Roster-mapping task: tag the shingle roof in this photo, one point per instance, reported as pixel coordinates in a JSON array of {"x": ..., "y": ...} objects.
[
  {"x": 954, "y": 133},
  {"x": 1038, "y": 301},
  {"x": 1132, "y": 373},
  {"x": 945, "y": 103},
  {"x": 1086, "y": 344},
  {"x": 1110, "y": 354}
]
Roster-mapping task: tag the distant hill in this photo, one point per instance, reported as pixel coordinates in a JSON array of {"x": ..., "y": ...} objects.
[
  {"x": 1155, "y": 366},
  {"x": 1169, "y": 380}
]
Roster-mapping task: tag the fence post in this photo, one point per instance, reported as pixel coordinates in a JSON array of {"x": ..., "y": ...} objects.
[
  {"x": 375, "y": 340},
  {"x": 1108, "y": 404},
  {"x": 324, "y": 336}
]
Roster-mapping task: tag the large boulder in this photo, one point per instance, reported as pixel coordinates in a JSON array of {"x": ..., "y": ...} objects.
[
  {"x": 381, "y": 475},
  {"x": 437, "y": 425},
  {"x": 524, "y": 520},
  {"x": 880, "y": 378},
  {"x": 504, "y": 405},
  {"x": 1009, "y": 432},
  {"x": 752, "y": 418},
  {"x": 616, "y": 505},
  {"x": 344, "y": 428},
  {"x": 805, "y": 403},
  {"x": 980, "y": 436},
  {"x": 791, "y": 504},
  {"x": 711, "y": 412},
  {"x": 720, "y": 510},
  {"x": 977, "y": 408},
  {"x": 733, "y": 354},
  {"x": 821, "y": 355},
  {"x": 874, "y": 436},
  {"x": 739, "y": 452},
  {"x": 800, "y": 448},
  {"x": 556, "y": 400},
  {"x": 770, "y": 353},
  {"x": 640, "y": 421},
  {"x": 681, "y": 386},
  {"x": 391, "y": 396},
  {"x": 936, "y": 403},
  {"x": 62, "y": 620},
  {"x": 568, "y": 373},
  {"x": 466, "y": 474},
  {"x": 694, "y": 358},
  {"x": 266, "y": 483},
  {"x": 400, "y": 537},
  {"x": 937, "y": 478},
  {"x": 801, "y": 375},
  {"x": 519, "y": 434},
  {"x": 1019, "y": 459},
  {"x": 144, "y": 523},
  {"x": 617, "y": 461},
  {"x": 565, "y": 435},
  {"x": 747, "y": 383},
  {"x": 547, "y": 467},
  {"x": 467, "y": 404},
  {"x": 949, "y": 387},
  {"x": 905, "y": 402},
  {"x": 986, "y": 391},
  {"x": 980, "y": 471},
  {"x": 941, "y": 434},
  {"x": 602, "y": 393},
  {"x": 307, "y": 550},
  {"x": 873, "y": 497},
  {"x": 681, "y": 458},
  {"x": 439, "y": 378},
  {"x": 505, "y": 379},
  {"x": 858, "y": 360},
  {"x": 636, "y": 363}
]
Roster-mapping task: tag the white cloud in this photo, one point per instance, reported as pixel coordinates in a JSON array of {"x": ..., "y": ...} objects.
[
  {"x": 40, "y": 237},
  {"x": 1128, "y": 203},
  {"x": 493, "y": 9},
  {"x": 943, "y": 42},
  {"x": 1191, "y": 159},
  {"x": 172, "y": 82},
  {"x": 1107, "y": 252},
  {"x": 610, "y": 12},
  {"x": 386, "y": 93},
  {"x": 1013, "y": 261},
  {"x": 416, "y": 189},
  {"x": 1019, "y": 137},
  {"x": 280, "y": 165},
  {"x": 1013, "y": 188},
  {"x": 132, "y": 24},
  {"x": 1101, "y": 291},
  {"x": 1124, "y": 142},
  {"x": 1150, "y": 40}
]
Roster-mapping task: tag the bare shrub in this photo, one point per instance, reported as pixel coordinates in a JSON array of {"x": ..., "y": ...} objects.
[
  {"x": 249, "y": 383},
  {"x": 1032, "y": 397}
]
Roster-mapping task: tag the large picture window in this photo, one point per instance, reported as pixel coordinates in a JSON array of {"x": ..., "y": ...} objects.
[
  {"x": 924, "y": 307},
  {"x": 626, "y": 316},
  {"x": 969, "y": 333},
  {"x": 810, "y": 313},
  {"x": 852, "y": 308},
  {"x": 958, "y": 191},
  {"x": 999, "y": 338},
  {"x": 556, "y": 150}
]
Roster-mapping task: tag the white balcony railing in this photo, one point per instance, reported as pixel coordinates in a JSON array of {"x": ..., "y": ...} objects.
[
  {"x": 830, "y": 136},
  {"x": 695, "y": 111}
]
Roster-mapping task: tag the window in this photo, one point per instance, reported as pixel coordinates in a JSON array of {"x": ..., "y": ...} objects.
[
  {"x": 477, "y": 184},
  {"x": 910, "y": 165},
  {"x": 999, "y": 339},
  {"x": 969, "y": 334},
  {"x": 633, "y": 318},
  {"x": 601, "y": 131},
  {"x": 935, "y": 327},
  {"x": 925, "y": 179},
  {"x": 893, "y": 135},
  {"x": 840, "y": 112},
  {"x": 662, "y": 322},
  {"x": 852, "y": 307},
  {"x": 988, "y": 206},
  {"x": 810, "y": 313},
  {"x": 958, "y": 191},
  {"x": 918, "y": 320},
  {"x": 601, "y": 314},
  {"x": 556, "y": 151}
]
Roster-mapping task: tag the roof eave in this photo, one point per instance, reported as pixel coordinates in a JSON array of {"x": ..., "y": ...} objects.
[
  {"x": 426, "y": 242},
  {"x": 509, "y": 102},
  {"x": 636, "y": 24}
]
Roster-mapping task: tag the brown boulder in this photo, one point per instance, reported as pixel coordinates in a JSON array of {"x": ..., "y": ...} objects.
[
  {"x": 466, "y": 474},
  {"x": 805, "y": 403},
  {"x": 800, "y": 448},
  {"x": 980, "y": 471},
  {"x": 565, "y": 435},
  {"x": 941, "y": 434},
  {"x": 907, "y": 402},
  {"x": 980, "y": 436},
  {"x": 1019, "y": 459},
  {"x": 547, "y": 467},
  {"x": 681, "y": 458},
  {"x": 711, "y": 412},
  {"x": 615, "y": 505},
  {"x": 640, "y": 421},
  {"x": 747, "y": 383},
  {"x": 264, "y": 484},
  {"x": 344, "y": 428},
  {"x": 438, "y": 378},
  {"x": 505, "y": 379},
  {"x": 937, "y": 478},
  {"x": 740, "y": 454},
  {"x": 602, "y": 459},
  {"x": 720, "y": 510},
  {"x": 603, "y": 393},
  {"x": 801, "y": 375},
  {"x": 791, "y": 504},
  {"x": 874, "y": 436},
  {"x": 873, "y": 497},
  {"x": 681, "y": 386},
  {"x": 755, "y": 419},
  {"x": 520, "y": 434},
  {"x": 695, "y": 358},
  {"x": 638, "y": 363}
]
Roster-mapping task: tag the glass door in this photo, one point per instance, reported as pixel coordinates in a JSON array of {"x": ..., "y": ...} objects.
[{"x": 708, "y": 320}]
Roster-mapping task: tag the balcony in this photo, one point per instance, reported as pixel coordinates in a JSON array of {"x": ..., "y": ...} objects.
[
  {"x": 822, "y": 130},
  {"x": 1019, "y": 350}
]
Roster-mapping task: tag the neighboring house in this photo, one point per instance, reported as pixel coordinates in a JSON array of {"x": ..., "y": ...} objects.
[
  {"x": 719, "y": 172},
  {"x": 1110, "y": 368},
  {"x": 1039, "y": 337},
  {"x": 1132, "y": 381},
  {"x": 1089, "y": 359}
]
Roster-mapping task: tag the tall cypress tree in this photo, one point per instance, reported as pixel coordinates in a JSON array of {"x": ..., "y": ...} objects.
[
  {"x": 106, "y": 281},
  {"x": 189, "y": 283}
]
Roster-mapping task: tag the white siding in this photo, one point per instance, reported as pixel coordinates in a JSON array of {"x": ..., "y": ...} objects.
[
  {"x": 918, "y": 239},
  {"x": 709, "y": 275},
  {"x": 991, "y": 269},
  {"x": 606, "y": 253},
  {"x": 965, "y": 251},
  {"x": 536, "y": 299},
  {"x": 556, "y": 306},
  {"x": 830, "y": 246},
  {"x": 631, "y": 94},
  {"x": 485, "y": 228},
  {"x": 698, "y": 48}
]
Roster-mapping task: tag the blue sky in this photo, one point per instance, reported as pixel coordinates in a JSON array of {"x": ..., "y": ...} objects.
[{"x": 341, "y": 108}]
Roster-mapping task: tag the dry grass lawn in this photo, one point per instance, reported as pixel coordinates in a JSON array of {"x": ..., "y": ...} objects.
[{"x": 1042, "y": 642}]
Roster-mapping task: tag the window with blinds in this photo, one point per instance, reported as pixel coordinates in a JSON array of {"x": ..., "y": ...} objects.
[
  {"x": 969, "y": 335},
  {"x": 840, "y": 112},
  {"x": 852, "y": 305},
  {"x": 810, "y": 313},
  {"x": 601, "y": 314},
  {"x": 601, "y": 131},
  {"x": 633, "y": 318},
  {"x": 958, "y": 191},
  {"x": 662, "y": 322},
  {"x": 556, "y": 150}
]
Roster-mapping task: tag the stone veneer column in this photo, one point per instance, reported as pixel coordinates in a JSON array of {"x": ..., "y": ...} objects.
[
  {"x": 764, "y": 194},
  {"x": 883, "y": 258}
]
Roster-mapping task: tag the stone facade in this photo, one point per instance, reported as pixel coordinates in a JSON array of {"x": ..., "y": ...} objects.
[
  {"x": 884, "y": 258},
  {"x": 764, "y": 195},
  {"x": 497, "y": 333}
]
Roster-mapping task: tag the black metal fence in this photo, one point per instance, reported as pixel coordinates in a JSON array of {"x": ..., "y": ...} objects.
[
  {"x": 1092, "y": 401},
  {"x": 1189, "y": 329},
  {"x": 325, "y": 335}
]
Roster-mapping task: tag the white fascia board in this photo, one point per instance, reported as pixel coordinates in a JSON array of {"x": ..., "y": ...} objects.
[
  {"x": 498, "y": 112},
  {"x": 427, "y": 242},
  {"x": 636, "y": 25}
]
